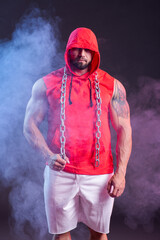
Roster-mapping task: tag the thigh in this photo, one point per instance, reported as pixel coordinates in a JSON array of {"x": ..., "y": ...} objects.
[
  {"x": 60, "y": 186},
  {"x": 61, "y": 201},
  {"x": 96, "y": 203}
]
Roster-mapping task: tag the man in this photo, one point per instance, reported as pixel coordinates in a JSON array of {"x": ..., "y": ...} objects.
[{"x": 79, "y": 181}]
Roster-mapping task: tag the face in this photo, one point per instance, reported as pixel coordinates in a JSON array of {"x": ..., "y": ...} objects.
[{"x": 80, "y": 58}]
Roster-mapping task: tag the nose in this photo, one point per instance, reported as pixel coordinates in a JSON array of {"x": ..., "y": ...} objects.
[{"x": 81, "y": 52}]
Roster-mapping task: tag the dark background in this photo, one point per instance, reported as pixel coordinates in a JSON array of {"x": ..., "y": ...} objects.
[
  {"x": 128, "y": 31},
  {"x": 128, "y": 36}
]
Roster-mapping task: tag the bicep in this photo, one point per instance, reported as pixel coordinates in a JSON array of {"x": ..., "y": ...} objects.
[
  {"x": 37, "y": 105},
  {"x": 119, "y": 108}
]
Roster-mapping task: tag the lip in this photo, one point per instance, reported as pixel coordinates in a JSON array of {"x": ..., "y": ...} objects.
[{"x": 81, "y": 60}]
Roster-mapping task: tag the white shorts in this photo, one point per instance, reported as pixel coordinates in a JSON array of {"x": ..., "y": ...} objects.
[{"x": 72, "y": 198}]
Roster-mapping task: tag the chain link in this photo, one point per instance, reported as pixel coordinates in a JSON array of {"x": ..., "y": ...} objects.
[
  {"x": 98, "y": 122},
  {"x": 62, "y": 117},
  {"x": 62, "y": 114}
]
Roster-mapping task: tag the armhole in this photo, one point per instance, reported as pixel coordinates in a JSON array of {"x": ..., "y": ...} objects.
[
  {"x": 114, "y": 86},
  {"x": 45, "y": 82}
]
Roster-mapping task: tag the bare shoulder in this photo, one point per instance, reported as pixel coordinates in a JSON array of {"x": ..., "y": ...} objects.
[
  {"x": 118, "y": 90},
  {"x": 39, "y": 89},
  {"x": 119, "y": 101},
  {"x": 38, "y": 104},
  {"x": 38, "y": 97}
]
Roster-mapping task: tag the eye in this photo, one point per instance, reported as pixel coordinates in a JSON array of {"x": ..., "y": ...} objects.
[
  {"x": 75, "y": 49},
  {"x": 87, "y": 50}
]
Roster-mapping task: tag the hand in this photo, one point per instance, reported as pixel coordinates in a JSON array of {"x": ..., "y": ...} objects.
[
  {"x": 57, "y": 163},
  {"x": 116, "y": 185}
]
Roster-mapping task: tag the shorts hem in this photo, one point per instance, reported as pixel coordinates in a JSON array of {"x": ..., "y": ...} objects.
[
  {"x": 64, "y": 231},
  {"x": 95, "y": 229}
]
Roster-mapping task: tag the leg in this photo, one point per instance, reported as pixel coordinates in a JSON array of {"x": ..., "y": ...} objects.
[
  {"x": 61, "y": 202},
  {"x": 63, "y": 236},
  {"x": 97, "y": 236},
  {"x": 96, "y": 204}
]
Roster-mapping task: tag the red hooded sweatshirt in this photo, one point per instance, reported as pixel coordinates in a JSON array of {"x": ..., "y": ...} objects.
[{"x": 80, "y": 110}]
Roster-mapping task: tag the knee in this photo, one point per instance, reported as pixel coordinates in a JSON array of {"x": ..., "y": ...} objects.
[
  {"x": 63, "y": 236},
  {"x": 97, "y": 235},
  {"x": 55, "y": 237}
]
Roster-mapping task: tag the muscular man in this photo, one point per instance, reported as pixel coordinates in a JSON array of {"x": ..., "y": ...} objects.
[{"x": 80, "y": 184}]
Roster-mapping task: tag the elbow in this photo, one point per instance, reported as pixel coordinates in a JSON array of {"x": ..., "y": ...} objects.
[
  {"x": 25, "y": 131},
  {"x": 125, "y": 132},
  {"x": 27, "y": 134}
]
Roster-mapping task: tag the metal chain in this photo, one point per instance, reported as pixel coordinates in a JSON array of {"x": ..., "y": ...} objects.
[
  {"x": 62, "y": 117},
  {"x": 62, "y": 114},
  {"x": 98, "y": 122}
]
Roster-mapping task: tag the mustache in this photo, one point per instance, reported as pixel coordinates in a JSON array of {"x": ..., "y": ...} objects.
[{"x": 81, "y": 58}]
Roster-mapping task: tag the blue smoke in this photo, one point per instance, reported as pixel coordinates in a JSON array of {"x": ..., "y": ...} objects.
[{"x": 32, "y": 53}]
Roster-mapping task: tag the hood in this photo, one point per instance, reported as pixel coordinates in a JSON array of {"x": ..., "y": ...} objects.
[{"x": 83, "y": 38}]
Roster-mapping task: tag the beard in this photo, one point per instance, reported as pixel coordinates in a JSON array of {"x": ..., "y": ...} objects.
[{"x": 79, "y": 65}]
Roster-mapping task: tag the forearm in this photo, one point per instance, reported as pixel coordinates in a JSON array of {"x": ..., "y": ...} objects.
[
  {"x": 36, "y": 139},
  {"x": 123, "y": 149}
]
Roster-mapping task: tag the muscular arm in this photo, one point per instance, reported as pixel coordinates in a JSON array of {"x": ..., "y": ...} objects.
[
  {"x": 35, "y": 112},
  {"x": 120, "y": 118}
]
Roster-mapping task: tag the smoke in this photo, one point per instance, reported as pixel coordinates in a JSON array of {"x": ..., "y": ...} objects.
[
  {"x": 32, "y": 52},
  {"x": 141, "y": 201}
]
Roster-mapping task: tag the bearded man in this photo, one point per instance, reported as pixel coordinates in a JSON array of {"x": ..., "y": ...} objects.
[{"x": 80, "y": 183}]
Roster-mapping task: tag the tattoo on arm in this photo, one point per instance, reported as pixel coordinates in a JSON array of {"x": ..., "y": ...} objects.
[{"x": 119, "y": 101}]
